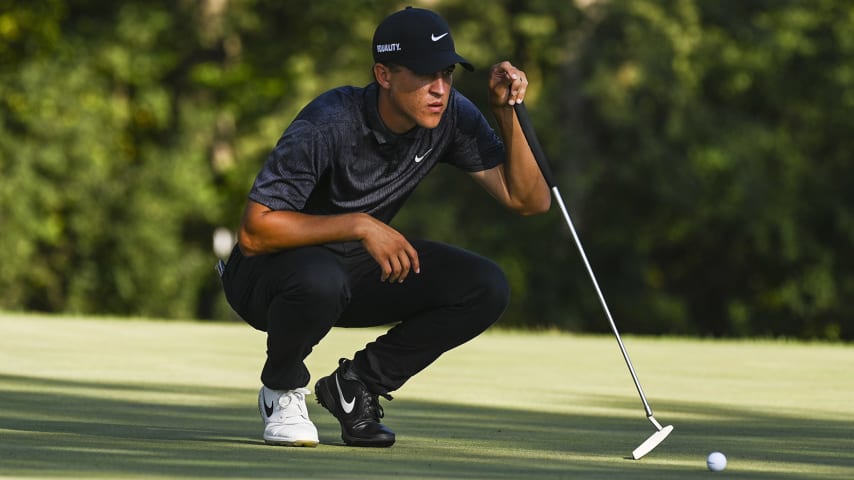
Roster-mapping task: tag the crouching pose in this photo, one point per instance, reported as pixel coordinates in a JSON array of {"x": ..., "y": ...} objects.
[{"x": 316, "y": 250}]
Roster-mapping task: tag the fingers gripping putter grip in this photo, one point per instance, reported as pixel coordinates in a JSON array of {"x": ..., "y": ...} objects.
[{"x": 661, "y": 432}]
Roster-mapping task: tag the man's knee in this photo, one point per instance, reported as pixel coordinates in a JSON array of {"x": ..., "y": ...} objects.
[
  {"x": 490, "y": 292},
  {"x": 304, "y": 284},
  {"x": 494, "y": 285},
  {"x": 317, "y": 286}
]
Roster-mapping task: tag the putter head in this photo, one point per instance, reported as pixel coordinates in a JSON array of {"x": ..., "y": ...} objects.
[{"x": 651, "y": 442}]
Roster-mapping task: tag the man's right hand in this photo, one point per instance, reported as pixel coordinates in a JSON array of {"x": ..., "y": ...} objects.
[
  {"x": 263, "y": 230},
  {"x": 393, "y": 253}
]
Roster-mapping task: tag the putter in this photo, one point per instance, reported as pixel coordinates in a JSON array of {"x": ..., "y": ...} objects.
[{"x": 661, "y": 432}]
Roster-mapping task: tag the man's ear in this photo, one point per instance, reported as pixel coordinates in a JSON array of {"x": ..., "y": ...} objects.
[{"x": 382, "y": 74}]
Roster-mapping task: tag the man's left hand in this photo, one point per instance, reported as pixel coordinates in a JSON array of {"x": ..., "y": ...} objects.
[{"x": 507, "y": 85}]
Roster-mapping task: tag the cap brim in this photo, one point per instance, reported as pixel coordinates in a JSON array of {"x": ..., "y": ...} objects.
[{"x": 438, "y": 62}]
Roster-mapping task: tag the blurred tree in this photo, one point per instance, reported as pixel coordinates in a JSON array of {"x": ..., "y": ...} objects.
[
  {"x": 702, "y": 148},
  {"x": 719, "y": 193},
  {"x": 129, "y": 127}
]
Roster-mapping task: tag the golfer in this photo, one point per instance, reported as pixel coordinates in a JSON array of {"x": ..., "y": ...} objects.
[{"x": 316, "y": 250}]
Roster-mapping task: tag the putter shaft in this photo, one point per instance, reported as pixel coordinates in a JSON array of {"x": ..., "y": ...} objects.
[
  {"x": 661, "y": 432},
  {"x": 557, "y": 196}
]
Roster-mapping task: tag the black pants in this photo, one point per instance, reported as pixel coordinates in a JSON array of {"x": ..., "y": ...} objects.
[{"x": 298, "y": 295}]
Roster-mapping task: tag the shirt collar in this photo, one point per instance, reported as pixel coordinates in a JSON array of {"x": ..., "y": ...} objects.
[{"x": 373, "y": 122}]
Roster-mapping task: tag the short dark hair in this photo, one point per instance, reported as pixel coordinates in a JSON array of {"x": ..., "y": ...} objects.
[{"x": 394, "y": 67}]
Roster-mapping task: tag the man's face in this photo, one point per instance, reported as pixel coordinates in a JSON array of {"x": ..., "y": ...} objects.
[{"x": 415, "y": 99}]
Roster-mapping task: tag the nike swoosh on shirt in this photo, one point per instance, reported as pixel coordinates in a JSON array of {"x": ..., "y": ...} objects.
[
  {"x": 418, "y": 158},
  {"x": 345, "y": 405},
  {"x": 436, "y": 38}
]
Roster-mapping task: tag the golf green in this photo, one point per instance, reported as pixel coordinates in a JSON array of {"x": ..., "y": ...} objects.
[{"x": 120, "y": 398}]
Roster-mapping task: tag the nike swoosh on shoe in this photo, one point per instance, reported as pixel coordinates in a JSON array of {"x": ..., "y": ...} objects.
[
  {"x": 345, "y": 405},
  {"x": 268, "y": 409}
]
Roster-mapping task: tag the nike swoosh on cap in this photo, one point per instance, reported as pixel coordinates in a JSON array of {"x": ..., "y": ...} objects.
[
  {"x": 345, "y": 405},
  {"x": 436, "y": 38}
]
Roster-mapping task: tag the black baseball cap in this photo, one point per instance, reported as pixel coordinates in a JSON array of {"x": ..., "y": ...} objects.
[{"x": 418, "y": 39}]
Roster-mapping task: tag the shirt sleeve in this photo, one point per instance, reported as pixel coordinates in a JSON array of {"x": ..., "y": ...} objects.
[
  {"x": 292, "y": 170},
  {"x": 476, "y": 146}
]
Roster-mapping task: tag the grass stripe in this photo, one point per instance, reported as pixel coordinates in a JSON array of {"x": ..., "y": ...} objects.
[{"x": 134, "y": 398}]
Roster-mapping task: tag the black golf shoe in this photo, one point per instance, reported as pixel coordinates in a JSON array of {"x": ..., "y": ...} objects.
[{"x": 357, "y": 409}]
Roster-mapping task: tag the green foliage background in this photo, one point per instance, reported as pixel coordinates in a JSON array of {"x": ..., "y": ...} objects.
[{"x": 702, "y": 148}]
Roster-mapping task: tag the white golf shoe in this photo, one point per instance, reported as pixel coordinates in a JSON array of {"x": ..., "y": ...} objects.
[{"x": 285, "y": 418}]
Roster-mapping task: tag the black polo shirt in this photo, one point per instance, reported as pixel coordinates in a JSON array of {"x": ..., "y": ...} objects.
[{"x": 338, "y": 157}]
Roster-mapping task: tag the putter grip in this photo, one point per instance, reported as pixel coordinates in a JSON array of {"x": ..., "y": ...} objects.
[{"x": 534, "y": 143}]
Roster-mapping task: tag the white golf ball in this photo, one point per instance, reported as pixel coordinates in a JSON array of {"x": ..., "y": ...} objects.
[{"x": 716, "y": 461}]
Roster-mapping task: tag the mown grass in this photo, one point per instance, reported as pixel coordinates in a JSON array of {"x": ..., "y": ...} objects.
[{"x": 122, "y": 398}]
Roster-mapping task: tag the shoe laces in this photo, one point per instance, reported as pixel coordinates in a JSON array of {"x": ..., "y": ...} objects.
[
  {"x": 371, "y": 405},
  {"x": 292, "y": 403},
  {"x": 370, "y": 402}
]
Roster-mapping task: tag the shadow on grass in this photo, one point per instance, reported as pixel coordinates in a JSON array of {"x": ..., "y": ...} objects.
[{"x": 67, "y": 428}]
